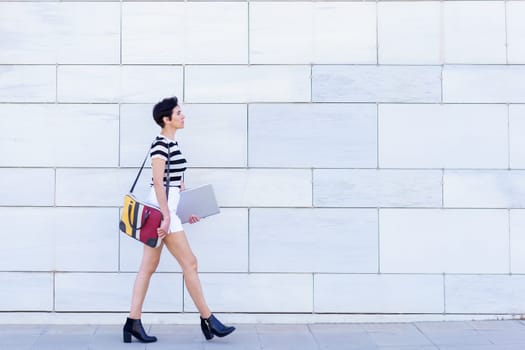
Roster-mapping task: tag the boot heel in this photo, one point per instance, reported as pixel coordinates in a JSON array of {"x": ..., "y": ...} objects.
[
  {"x": 208, "y": 335},
  {"x": 206, "y": 330},
  {"x": 127, "y": 337}
]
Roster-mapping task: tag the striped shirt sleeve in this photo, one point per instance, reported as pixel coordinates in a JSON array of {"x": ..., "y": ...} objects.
[{"x": 159, "y": 150}]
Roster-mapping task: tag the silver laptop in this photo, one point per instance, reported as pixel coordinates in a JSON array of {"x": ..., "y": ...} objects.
[{"x": 198, "y": 201}]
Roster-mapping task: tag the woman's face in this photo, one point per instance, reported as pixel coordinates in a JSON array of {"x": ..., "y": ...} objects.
[{"x": 177, "y": 118}]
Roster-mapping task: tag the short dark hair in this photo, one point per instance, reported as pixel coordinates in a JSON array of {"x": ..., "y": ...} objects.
[{"x": 164, "y": 109}]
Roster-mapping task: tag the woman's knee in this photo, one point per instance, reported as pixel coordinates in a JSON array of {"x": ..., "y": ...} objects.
[
  {"x": 149, "y": 265},
  {"x": 190, "y": 265}
]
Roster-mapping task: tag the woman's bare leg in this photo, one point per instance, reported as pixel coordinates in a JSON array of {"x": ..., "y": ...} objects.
[
  {"x": 178, "y": 245},
  {"x": 150, "y": 261}
]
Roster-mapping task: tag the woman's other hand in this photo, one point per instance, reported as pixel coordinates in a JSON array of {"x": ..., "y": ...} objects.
[
  {"x": 164, "y": 229},
  {"x": 194, "y": 219}
]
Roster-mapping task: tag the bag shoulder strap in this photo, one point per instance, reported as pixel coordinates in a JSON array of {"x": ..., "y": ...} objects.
[{"x": 142, "y": 167}]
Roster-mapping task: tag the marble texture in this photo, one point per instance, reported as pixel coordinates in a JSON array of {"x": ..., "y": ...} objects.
[
  {"x": 53, "y": 247},
  {"x": 256, "y": 187},
  {"x": 517, "y": 241},
  {"x": 444, "y": 241},
  {"x": 82, "y": 40},
  {"x": 516, "y": 132},
  {"x": 361, "y": 83},
  {"x": 515, "y": 29},
  {"x": 185, "y": 32},
  {"x": 214, "y": 135},
  {"x": 28, "y": 32},
  {"x": 474, "y": 32},
  {"x": 378, "y": 293},
  {"x": 251, "y": 293},
  {"x": 312, "y": 135},
  {"x": 27, "y": 83},
  {"x": 377, "y": 188},
  {"x": 85, "y": 240},
  {"x": 26, "y": 291},
  {"x": 409, "y": 32},
  {"x": 36, "y": 251},
  {"x": 49, "y": 127},
  {"x": 226, "y": 233},
  {"x": 137, "y": 84},
  {"x": 243, "y": 84},
  {"x": 310, "y": 38},
  {"x": 137, "y": 132},
  {"x": 355, "y": 25},
  {"x": 281, "y": 40},
  {"x": 142, "y": 21},
  {"x": 216, "y": 32},
  {"x": 150, "y": 83},
  {"x": 112, "y": 292},
  {"x": 485, "y": 294},
  {"x": 348, "y": 244},
  {"x": 99, "y": 187},
  {"x": 484, "y": 84},
  {"x": 89, "y": 84},
  {"x": 484, "y": 189},
  {"x": 60, "y": 32},
  {"x": 27, "y": 187},
  {"x": 443, "y": 136}
]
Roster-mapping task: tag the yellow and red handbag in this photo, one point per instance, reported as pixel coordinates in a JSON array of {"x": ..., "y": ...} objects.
[{"x": 140, "y": 220}]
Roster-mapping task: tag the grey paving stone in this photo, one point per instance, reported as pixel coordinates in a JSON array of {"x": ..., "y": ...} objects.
[
  {"x": 475, "y": 335},
  {"x": 15, "y": 329},
  {"x": 454, "y": 333},
  {"x": 408, "y": 348},
  {"x": 285, "y": 337},
  {"x": 110, "y": 338},
  {"x": 501, "y": 332},
  {"x": 112, "y": 342},
  {"x": 177, "y": 337},
  {"x": 460, "y": 337},
  {"x": 502, "y": 337},
  {"x": 244, "y": 338},
  {"x": 396, "y": 334},
  {"x": 342, "y": 336},
  {"x": 336, "y": 327},
  {"x": 70, "y": 330},
  {"x": 444, "y": 325},
  {"x": 109, "y": 329},
  {"x": 18, "y": 341},
  {"x": 495, "y": 325},
  {"x": 482, "y": 347},
  {"x": 63, "y": 342}
]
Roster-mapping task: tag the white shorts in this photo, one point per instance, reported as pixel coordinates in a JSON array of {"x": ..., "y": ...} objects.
[{"x": 173, "y": 202}]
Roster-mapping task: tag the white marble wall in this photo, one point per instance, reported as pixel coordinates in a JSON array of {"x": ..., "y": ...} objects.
[{"x": 368, "y": 156}]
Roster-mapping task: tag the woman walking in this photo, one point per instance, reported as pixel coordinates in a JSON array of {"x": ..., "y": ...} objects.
[{"x": 168, "y": 115}]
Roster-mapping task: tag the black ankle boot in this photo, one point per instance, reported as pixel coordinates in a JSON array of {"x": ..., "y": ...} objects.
[
  {"x": 212, "y": 326},
  {"x": 134, "y": 328}
]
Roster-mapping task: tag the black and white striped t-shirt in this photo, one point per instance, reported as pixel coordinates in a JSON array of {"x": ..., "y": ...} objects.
[{"x": 159, "y": 149}]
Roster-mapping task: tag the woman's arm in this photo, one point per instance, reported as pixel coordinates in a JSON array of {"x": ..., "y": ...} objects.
[
  {"x": 193, "y": 218},
  {"x": 158, "y": 165}
]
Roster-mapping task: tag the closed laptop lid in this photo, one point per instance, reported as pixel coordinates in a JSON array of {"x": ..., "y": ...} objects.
[{"x": 198, "y": 201}]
